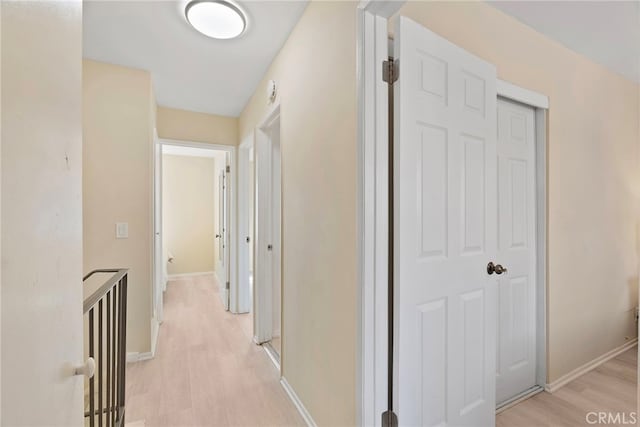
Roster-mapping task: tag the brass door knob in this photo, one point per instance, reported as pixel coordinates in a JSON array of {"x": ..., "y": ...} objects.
[{"x": 495, "y": 268}]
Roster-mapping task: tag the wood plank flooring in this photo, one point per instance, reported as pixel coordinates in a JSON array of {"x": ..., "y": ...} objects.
[
  {"x": 611, "y": 387},
  {"x": 207, "y": 371}
]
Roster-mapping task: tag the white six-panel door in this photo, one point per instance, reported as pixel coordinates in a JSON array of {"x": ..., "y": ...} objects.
[
  {"x": 516, "y": 362},
  {"x": 445, "y": 228}
]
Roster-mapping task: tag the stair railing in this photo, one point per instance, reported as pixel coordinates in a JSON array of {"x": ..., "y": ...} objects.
[{"x": 105, "y": 312}]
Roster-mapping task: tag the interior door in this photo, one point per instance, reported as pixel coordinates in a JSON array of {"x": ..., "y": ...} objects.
[
  {"x": 445, "y": 216},
  {"x": 223, "y": 238},
  {"x": 263, "y": 274},
  {"x": 158, "y": 262},
  {"x": 276, "y": 229},
  {"x": 41, "y": 227},
  {"x": 516, "y": 363},
  {"x": 226, "y": 227},
  {"x": 245, "y": 221}
]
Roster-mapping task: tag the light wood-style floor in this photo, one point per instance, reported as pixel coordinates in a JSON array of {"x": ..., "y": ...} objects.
[
  {"x": 611, "y": 387},
  {"x": 207, "y": 371}
]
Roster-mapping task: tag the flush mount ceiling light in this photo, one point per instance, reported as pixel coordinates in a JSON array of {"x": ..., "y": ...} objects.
[{"x": 218, "y": 19}]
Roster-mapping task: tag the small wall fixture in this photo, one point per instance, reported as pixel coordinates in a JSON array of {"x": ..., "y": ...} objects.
[
  {"x": 272, "y": 91},
  {"x": 218, "y": 19}
]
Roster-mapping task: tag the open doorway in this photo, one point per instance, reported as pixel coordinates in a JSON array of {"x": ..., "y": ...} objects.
[
  {"x": 268, "y": 262},
  {"x": 192, "y": 216}
]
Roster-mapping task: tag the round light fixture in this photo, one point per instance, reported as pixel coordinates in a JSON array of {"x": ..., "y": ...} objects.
[{"x": 218, "y": 19}]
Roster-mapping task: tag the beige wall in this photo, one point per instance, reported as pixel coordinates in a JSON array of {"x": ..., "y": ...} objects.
[
  {"x": 318, "y": 119},
  {"x": 593, "y": 138},
  {"x": 197, "y": 127},
  {"x": 41, "y": 213},
  {"x": 118, "y": 116},
  {"x": 192, "y": 126},
  {"x": 189, "y": 212}
]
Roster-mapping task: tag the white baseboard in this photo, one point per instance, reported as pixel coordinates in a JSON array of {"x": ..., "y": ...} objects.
[
  {"x": 187, "y": 275},
  {"x": 520, "y": 398},
  {"x": 155, "y": 330},
  {"x": 220, "y": 280},
  {"x": 145, "y": 356},
  {"x": 555, "y": 385},
  {"x": 273, "y": 355},
  {"x": 296, "y": 401},
  {"x": 134, "y": 356}
]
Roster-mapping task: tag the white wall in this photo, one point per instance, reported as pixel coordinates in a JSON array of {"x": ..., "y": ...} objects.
[{"x": 41, "y": 175}]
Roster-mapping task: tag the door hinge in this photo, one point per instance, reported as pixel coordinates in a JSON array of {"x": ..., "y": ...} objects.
[
  {"x": 390, "y": 71},
  {"x": 389, "y": 419},
  {"x": 227, "y": 286},
  {"x": 228, "y": 169}
]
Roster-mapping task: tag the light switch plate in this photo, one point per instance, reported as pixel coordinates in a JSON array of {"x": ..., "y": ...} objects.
[{"x": 122, "y": 230}]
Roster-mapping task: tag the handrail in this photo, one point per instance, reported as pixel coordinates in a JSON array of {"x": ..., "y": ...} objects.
[
  {"x": 105, "y": 313},
  {"x": 106, "y": 287}
]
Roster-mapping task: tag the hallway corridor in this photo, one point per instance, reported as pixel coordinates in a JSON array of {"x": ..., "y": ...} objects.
[{"x": 206, "y": 371}]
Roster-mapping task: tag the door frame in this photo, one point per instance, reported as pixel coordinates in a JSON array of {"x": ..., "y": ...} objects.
[
  {"x": 372, "y": 220},
  {"x": 263, "y": 295},
  {"x": 372, "y": 47},
  {"x": 540, "y": 105},
  {"x": 233, "y": 274}
]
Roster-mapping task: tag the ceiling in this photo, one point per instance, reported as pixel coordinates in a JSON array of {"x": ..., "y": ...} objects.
[
  {"x": 189, "y": 70},
  {"x": 608, "y": 32},
  {"x": 193, "y": 72}
]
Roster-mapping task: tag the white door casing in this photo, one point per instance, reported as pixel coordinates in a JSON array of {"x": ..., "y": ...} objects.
[
  {"x": 445, "y": 215},
  {"x": 516, "y": 335},
  {"x": 267, "y": 241},
  {"x": 228, "y": 268},
  {"x": 373, "y": 217}
]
